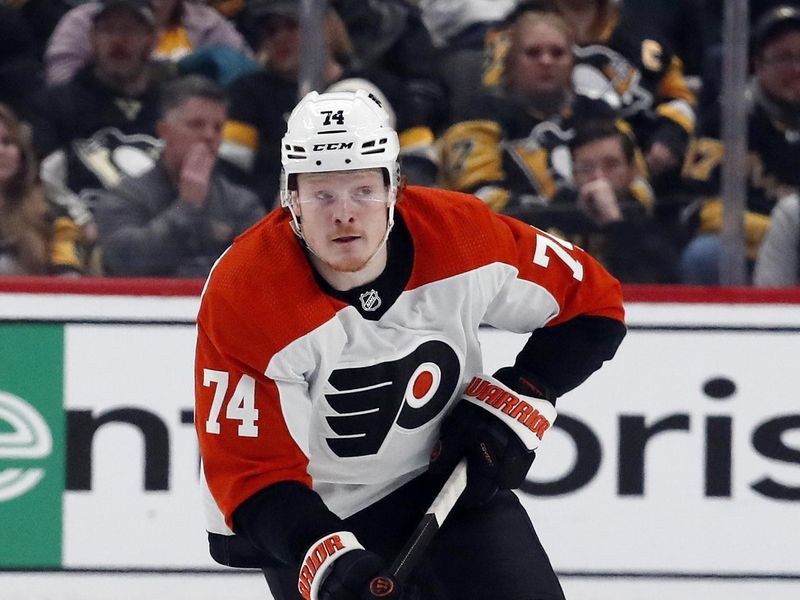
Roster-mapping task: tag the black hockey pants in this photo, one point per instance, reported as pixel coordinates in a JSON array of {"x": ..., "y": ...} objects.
[{"x": 487, "y": 553}]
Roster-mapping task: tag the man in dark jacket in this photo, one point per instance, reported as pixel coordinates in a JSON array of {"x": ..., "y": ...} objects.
[
  {"x": 175, "y": 219},
  {"x": 614, "y": 207},
  {"x": 100, "y": 126}
]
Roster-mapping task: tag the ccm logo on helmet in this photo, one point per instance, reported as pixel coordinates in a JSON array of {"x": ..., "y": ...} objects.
[{"x": 333, "y": 146}]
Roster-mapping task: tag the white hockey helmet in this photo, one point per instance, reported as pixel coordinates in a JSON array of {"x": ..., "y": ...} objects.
[
  {"x": 353, "y": 84},
  {"x": 339, "y": 131}
]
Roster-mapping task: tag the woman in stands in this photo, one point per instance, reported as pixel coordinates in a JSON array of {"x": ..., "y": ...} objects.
[{"x": 34, "y": 239}]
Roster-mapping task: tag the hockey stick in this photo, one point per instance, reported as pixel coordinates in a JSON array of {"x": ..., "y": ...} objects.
[{"x": 415, "y": 547}]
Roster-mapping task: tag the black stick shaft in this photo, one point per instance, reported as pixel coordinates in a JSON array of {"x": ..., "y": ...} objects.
[{"x": 419, "y": 541}]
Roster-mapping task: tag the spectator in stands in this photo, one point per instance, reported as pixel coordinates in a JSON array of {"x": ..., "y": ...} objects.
[
  {"x": 712, "y": 32},
  {"x": 41, "y": 18},
  {"x": 183, "y": 27},
  {"x": 778, "y": 260},
  {"x": 35, "y": 239},
  {"x": 614, "y": 219},
  {"x": 20, "y": 67},
  {"x": 394, "y": 49},
  {"x": 458, "y": 30},
  {"x": 636, "y": 73},
  {"x": 177, "y": 218},
  {"x": 511, "y": 147},
  {"x": 100, "y": 126},
  {"x": 773, "y": 147},
  {"x": 381, "y": 30},
  {"x": 261, "y": 101},
  {"x": 682, "y": 24}
]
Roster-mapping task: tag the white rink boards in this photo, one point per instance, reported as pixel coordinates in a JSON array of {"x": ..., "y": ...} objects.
[{"x": 674, "y": 472}]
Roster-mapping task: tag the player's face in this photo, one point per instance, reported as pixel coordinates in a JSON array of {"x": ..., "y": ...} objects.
[
  {"x": 9, "y": 156},
  {"x": 122, "y": 44},
  {"x": 195, "y": 121},
  {"x": 778, "y": 68},
  {"x": 542, "y": 61},
  {"x": 344, "y": 218},
  {"x": 603, "y": 158}
]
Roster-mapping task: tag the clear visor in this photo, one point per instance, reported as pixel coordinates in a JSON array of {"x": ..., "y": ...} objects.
[{"x": 362, "y": 195}]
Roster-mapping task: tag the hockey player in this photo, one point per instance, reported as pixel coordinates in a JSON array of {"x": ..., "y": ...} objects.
[{"x": 338, "y": 346}]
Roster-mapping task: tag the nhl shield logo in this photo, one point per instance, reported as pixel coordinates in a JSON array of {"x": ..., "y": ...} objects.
[{"x": 370, "y": 300}]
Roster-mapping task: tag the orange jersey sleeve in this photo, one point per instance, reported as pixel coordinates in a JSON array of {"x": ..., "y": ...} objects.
[
  {"x": 241, "y": 423},
  {"x": 468, "y": 235}
]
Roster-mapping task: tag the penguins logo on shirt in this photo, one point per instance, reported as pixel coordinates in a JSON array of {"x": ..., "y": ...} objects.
[
  {"x": 601, "y": 72},
  {"x": 110, "y": 155},
  {"x": 405, "y": 393}
]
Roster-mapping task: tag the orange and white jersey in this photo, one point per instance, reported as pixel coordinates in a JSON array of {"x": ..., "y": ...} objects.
[{"x": 295, "y": 384}]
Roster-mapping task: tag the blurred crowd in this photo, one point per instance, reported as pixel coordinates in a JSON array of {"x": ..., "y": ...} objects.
[{"x": 139, "y": 137}]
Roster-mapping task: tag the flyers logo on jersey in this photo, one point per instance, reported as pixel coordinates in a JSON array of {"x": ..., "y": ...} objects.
[{"x": 405, "y": 393}]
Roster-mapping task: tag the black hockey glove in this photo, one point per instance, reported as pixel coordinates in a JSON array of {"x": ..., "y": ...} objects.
[
  {"x": 338, "y": 568},
  {"x": 498, "y": 430}
]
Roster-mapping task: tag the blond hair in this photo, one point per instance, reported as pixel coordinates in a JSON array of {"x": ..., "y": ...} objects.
[{"x": 529, "y": 19}]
